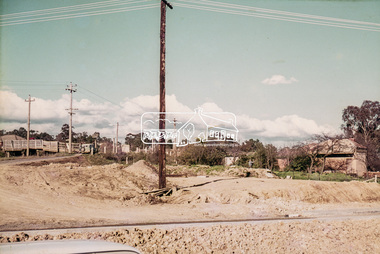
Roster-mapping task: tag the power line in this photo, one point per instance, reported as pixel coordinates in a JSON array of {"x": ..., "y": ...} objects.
[
  {"x": 295, "y": 18},
  {"x": 7, "y": 85},
  {"x": 105, "y": 99},
  {"x": 256, "y": 9},
  {"x": 99, "y": 96},
  {"x": 67, "y": 9},
  {"x": 33, "y": 82},
  {"x": 78, "y": 15},
  {"x": 18, "y": 85}
]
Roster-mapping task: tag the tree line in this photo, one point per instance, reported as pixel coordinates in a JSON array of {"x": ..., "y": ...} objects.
[
  {"x": 63, "y": 136},
  {"x": 361, "y": 124}
]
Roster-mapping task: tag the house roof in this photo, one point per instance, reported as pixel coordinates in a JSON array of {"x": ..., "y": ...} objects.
[{"x": 342, "y": 146}]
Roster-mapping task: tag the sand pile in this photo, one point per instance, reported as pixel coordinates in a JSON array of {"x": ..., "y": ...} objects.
[
  {"x": 250, "y": 190},
  {"x": 113, "y": 182},
  {"x": 143, "y": 175}
]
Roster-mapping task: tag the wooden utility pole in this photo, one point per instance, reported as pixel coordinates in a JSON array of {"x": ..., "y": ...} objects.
[
  {"x": 117, "y": 136},
  {"x": 71, "y": 90},
  {"x": 175, "y": 143},
  {"x": 29, "y": 100},
  {"x": 162, "y": 146}
]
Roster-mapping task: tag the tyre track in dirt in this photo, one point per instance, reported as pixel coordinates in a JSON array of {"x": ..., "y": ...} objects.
[{"x": 335, "y": 215}]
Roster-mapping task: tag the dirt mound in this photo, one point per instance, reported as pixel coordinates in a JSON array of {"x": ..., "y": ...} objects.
[
  {"x": 143, "y": 175},
  {"x": 108, "y": 182},
  {"x": 249, "y": 190}
]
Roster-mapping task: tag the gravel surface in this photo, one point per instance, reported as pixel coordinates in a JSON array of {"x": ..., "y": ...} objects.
[{"x": 352, "y": 236}]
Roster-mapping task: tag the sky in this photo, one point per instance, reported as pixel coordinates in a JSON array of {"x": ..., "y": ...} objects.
[{"x": 286, "y": 68}]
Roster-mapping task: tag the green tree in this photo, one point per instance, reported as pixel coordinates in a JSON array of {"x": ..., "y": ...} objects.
[
  {"x": 193, "y": 154},
  {"x": 255, "y": 152},
  {"x": 250, "y": 145},
  {"x": 363, "y": 124},
  {"x": 64, "y": 134},
  {"x": 300, "y": 163},
  {"x": 134, "y": 141},
  {"x": 22, "y": 132},
  {"x": 259, "y": 155},
  {"x": 270, "y": 156},
  {"x": 44, "y": 136}
]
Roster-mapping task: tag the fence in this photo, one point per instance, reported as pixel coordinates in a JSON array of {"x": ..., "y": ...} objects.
[{"x": 46, "y": 146}]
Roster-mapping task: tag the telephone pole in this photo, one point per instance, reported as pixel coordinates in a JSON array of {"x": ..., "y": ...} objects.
[
  {"x": 29, "y": 100},
  {"x": 117, "y": 136},
  {"x": 175, "y": 143},
  {"x": 71, "y": 90},
  {"x": 162, "y": 146}
]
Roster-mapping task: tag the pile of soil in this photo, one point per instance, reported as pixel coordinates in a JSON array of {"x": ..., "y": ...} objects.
[{"x": 248, "y": 190}]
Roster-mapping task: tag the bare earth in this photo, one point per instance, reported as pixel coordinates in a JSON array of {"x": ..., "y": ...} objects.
[{"x": 47, "y": 195}]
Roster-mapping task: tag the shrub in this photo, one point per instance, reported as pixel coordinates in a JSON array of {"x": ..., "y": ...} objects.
[{"x": 205, "y": 155}]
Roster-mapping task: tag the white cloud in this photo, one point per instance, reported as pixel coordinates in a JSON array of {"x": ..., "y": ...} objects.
[
  {"x": 278, "y": 79},
  {"x": 211, "y": 107},
  {"x": 49, "y": 115},
  {"x": 288, "y": 126}
]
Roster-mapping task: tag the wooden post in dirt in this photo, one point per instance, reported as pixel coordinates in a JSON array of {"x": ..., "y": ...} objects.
[{"x": 162, "y": 146}]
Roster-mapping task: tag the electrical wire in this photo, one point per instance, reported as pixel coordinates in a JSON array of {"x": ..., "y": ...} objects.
[
  {"x": 79, "y": 15},
  {"x": 34, "y": 83},
  {"x": 256, "y": 9},
  {"x": 53, "y": 86},
  {"x": 67, "y": 8},
  {"x": 282, "y": 18},
  {"x": 105, "y": 99},
  {"x": 99, "y": 96},
  {"x": 204, "y": 5},
  {"x": 278, "y": 18},
  {"x": 7, "y": 85}
]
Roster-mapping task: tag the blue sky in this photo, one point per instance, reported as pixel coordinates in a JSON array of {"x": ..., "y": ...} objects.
[{"x": 283, "y": 80}]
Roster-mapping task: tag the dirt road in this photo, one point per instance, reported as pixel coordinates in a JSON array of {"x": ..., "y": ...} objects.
[{"x": 23, "y": 160}]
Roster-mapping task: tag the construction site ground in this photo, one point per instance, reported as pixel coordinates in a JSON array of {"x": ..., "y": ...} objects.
[{"x": 66, "y": 194}]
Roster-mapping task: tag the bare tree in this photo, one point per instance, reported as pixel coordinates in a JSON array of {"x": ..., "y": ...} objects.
[
  {"x": 271, "y": 156},
  {"x": 327, "y": 145},
  {"x": 363, "y": 124},
  {"x": 317, "y": 149}
]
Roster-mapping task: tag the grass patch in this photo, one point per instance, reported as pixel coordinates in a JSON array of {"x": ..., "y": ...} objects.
[
  {"x": 98, "y": 159},
  {"x": 301, "y": 175},
  {"x": 210, "y": 170},
  {"x": 195, "y": 169}
]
